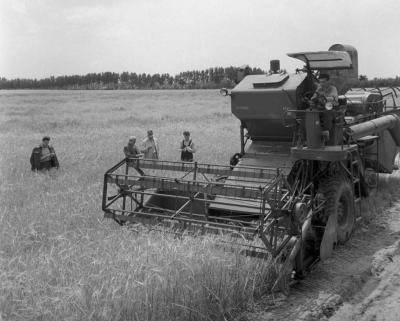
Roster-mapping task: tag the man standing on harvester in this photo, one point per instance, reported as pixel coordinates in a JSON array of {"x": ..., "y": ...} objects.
[
  {"x": 325, "y": 92},
  {"x": 44, "y": 157},
  {"x": 325, "y": 98},
  {"x": 187, "y": 148},
  {"x": 131, "y": 150},
  {"x": 150, "y": 146}
]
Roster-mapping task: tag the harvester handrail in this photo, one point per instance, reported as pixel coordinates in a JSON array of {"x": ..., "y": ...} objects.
[
  {"x": 303, "y": 111},
  {"x": 201, "y": 168},
  {"x": 226, "y": 200},
  {"x": 116, "y": 166},
  {"x": 207, "y": 187}
]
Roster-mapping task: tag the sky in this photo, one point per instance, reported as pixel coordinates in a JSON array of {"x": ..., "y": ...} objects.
[{"x": 40, "y": 38}]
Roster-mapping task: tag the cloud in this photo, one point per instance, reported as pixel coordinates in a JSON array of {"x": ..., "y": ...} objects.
[
  {"x": 19, "y": 7},
  {"x": 83, "y": 14}
]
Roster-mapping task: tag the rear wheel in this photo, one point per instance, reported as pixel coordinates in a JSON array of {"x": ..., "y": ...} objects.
[{"x": 338, "y": 215}]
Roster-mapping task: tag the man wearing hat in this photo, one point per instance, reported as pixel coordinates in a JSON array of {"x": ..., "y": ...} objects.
[
  {"x": 131, "y": 150},
  {"x": 325, "y": 98},
  {"x": 44, "y": 157},
  {"x": 325, "y": 92},
  {"x": 150, "y": 146}
]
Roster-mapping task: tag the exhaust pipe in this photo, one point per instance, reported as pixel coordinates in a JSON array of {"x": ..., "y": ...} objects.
[{"x": 274, "y": 66}]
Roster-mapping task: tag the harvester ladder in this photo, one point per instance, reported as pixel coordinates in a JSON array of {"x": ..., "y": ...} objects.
[{"x": 356, "y": 178}]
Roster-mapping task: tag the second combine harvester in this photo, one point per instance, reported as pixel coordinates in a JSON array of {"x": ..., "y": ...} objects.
[{"x": 294, "y": 189}]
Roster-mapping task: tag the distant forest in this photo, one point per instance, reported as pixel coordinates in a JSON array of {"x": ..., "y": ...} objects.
[{"x": 205, "y": 79}]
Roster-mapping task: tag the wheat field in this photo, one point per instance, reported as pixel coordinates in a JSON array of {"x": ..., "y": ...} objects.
[{"x": 59, "y": 258}]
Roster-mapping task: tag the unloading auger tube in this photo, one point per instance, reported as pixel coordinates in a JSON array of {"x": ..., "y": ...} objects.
[{"x": 255, "y": 208}]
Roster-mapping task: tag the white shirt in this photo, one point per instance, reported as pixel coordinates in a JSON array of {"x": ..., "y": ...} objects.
[{"x": 150, "y": 148}]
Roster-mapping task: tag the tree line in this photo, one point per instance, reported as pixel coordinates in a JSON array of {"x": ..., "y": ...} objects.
[
  {"x": 196, "y": 79},
  {"x": 364, "y": 82}
]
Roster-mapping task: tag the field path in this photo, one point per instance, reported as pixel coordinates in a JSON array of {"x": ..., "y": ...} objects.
[
  {"x": 360, "y": 282},
  {"x": 383, "y": 302}
]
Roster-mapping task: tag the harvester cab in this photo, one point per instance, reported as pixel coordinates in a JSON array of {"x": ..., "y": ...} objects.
[
  {"x": 322, "y": 113},
  {"x": 293, "y": 191}
]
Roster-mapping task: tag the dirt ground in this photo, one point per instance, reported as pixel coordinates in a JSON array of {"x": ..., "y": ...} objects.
[
  {"x": 360, "y": 282},
  {"x": 383, "y": 303},
  {"x": 379, "y": 299}
]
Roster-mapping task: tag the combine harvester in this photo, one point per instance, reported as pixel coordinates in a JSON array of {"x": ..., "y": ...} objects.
[{"x": 295, "y": 188}]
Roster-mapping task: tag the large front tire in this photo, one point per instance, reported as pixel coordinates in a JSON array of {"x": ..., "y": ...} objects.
[{"x": 339, "y": 213}]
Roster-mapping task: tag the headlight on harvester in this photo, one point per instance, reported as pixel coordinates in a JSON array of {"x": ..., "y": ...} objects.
[
  {"x": 224, "y": 92},
  {"x": 328, "y": 106}
]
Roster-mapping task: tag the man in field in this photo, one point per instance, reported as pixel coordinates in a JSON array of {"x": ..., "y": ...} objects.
[
  {"x": 150, "y": 146},
  {"x": 131, "y": 150},
  {"x": 44, "y": 157},
  {"x": 187, "y": 148}
]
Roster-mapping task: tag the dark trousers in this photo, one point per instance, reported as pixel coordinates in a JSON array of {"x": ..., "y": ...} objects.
[{"x": 45, "y": 165}]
